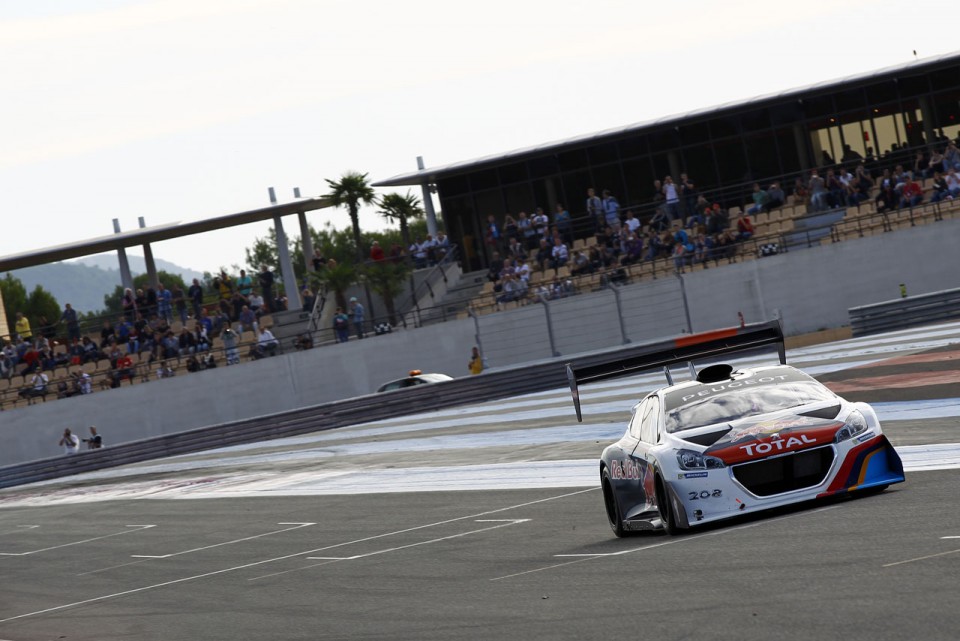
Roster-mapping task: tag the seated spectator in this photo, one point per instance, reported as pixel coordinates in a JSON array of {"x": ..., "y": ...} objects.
[
  {"x": 775, "y": 197},
  {"x": 859, "y": 190},
  {"x": 912, "y": 194},
  {"x": 193, "y": 365},
  {"x": 511, "y": 291},
  {"x": 165, "y": 371},
  {"x": 266, "y": 345},
  {"x": 38, "y": 387},
  {"x": 200, "y": 338},
  {"x": 940, "y": 189},
  {"x": 660, "y": 220},
  {"x": 515, "y": 249},
  {"x": 560, "y": 254},
  {"x": 580, "y": 264},
  {"x": 30, "y": 359},
  {"x": 633, "y": 250},
  {"x": 304, "y": 341},
  {"x": 760, "y": 200},
  {"x": 522, "y": 271},
  {"x": 496, "y": 265},
  {"x": 442, "y": 246},
  {"x": 953, "y": 183},
  {"x": 170, "y": 345},
  {"x": 836, "y": 193},
  {"x": 744, "y": 228},
  {"x": 679, "y": 258},
  {"x": 632, "y": 223},
  {"x": 187, "y": 342},
  {"x": 255, "y": 303},
  {"x": 107, "y": 335},
  {"x": 124, "y": 368},
  {"x": 726, "y": 246},
  {"x": 6, "y": 366},
  {"x": 544, "y": 255},
  {"x": 819, "y": 196}
]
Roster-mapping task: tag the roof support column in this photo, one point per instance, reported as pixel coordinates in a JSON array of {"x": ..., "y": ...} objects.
[
  {"x": 125, "y": 278},
  {"x": 286, "y": 266},
  {"x": 148, "y": 259},
  {"x": 306, "y": 241},
  {"x": 428, "y": 202}
]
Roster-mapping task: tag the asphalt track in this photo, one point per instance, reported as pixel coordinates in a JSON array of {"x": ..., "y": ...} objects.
[{"x": 533, "y": 563}]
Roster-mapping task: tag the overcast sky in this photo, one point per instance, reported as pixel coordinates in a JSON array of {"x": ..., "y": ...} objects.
[{"x": 182, "y": 109}]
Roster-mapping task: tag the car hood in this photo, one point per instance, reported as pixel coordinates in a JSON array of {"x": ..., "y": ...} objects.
[{"x": 762, "y": 436}]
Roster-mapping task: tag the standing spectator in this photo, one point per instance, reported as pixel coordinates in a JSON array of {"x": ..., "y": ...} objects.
[
  {"x": 671, "y": 198},
  {"x": 230, "y": 346},
  {"x": 341, "y": 326},
  {"x": 357, "y": 309},
  {"x": 595, "y": 210},
  {"x": 540, "y": 223},
  {"x": 319, "y": 262},
  {"x": 6, "y": 366},
  {"x": 376, "y": 252},
  {"x": 196, "y": 297},
  {"x": 69, "y": 317},
  {"x": 265, "y": 278},
  {"x": 69, "y": 442},
  {"x": 225, "y": 286},
  {"x": 525, "y": 227},
  {"x": 244, "y": 284},
  {"x": 493, "y": 234},
  {"x": 476, "y": 361},
  {"x": 22, "y": 327},
  {"x": 689, "y": 193},
  {"x": 611, "y": 210},
  {"x": 510, "y": 229},
  {"x": 164, "y": 303},
  {"x": 95, "y": 442},
  {"x": 564, "y": 224},
  {"x": 129, "y": 304},
  {"x": 180, "y": 303},
  {"x": 817, "y": 189},
  {"x": 152, "y": 302}
]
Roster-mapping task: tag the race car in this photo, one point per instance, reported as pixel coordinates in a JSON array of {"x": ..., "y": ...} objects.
[
  {"x": 415, "y": 377},
  {"x": 732, "y": 440}
]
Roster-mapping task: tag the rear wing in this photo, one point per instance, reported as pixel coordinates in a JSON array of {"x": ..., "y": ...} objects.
[{"x": 684, "y": 349}]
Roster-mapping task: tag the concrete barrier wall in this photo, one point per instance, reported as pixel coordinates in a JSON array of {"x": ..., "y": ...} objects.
[{"x": 812, "y": 289}]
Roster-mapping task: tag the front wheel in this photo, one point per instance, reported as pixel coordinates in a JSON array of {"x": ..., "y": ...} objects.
[
  {"x": 614, "y": 518},
  {"x": 667, "y": 517}
]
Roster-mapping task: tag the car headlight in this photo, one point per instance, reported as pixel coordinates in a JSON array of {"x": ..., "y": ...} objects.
[
  {"x": 690, "y": 460},
  {"x": 853, "y": 426}
]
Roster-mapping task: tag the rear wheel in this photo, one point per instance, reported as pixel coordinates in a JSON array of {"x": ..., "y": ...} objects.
[
  {"x": 614, "y": 518},
  {"x": 665, "y": 507}
]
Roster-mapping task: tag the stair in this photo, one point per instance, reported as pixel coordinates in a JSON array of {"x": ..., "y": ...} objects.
[{"x": 456, "y": 299}]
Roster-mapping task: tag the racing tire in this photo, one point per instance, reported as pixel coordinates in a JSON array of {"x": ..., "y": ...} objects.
[
  {"x": 614, "y": 517},
  {"x": 667, "y": 517}
]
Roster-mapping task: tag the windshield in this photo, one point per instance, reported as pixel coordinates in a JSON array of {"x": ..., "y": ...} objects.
[{"x": 743, "y": 402}]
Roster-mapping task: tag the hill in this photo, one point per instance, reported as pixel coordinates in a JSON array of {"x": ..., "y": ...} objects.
[{"x": 83, "y": 283}]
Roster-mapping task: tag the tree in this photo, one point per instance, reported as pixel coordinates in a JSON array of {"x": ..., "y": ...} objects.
[
  {"x": 401, "y": 209},
  {"x": 42, "y": 305},
  {"x": 14, "y": 299},
  {"x": 349, "y": 192},
  {"x": 338, "y": 277},
  {"x": 387, "y": 279}
]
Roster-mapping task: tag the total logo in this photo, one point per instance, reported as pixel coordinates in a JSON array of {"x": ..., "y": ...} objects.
[{"x": 777, "y": 444}]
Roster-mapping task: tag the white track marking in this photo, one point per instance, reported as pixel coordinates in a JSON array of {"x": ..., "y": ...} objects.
[
  {"x": 920, "y": 558},
  {"x": 950, "y": 537},
  {"x": 20, "y": 529},
  {"x": 502, "y": 523},
  {"x": 281, "y": 558},
  {"x": 96, "y": 538},
  {"x": 672, "y": 541},
  {"x": 297, "y": 526}
]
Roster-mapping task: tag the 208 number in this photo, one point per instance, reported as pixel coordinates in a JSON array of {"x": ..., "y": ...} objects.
[{"x": 705, "y": 494}]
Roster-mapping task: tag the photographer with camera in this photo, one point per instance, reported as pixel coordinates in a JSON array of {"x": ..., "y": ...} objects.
[{"x": 95, "y": 442}]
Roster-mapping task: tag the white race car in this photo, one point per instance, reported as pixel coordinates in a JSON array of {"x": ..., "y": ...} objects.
[{"x": 732, "y": 441}]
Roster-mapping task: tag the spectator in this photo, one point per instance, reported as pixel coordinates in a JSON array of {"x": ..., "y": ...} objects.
[
  {"x": 309, "y": 300},
  {"x": 510, "y": 229},
  {"x": 357, "y": 309},
  {"x": 564, "y": 224},
  {"x": 304, "y": 341},
  {"x": 660, "y": 220},
  {"x": 201, "y": 339},
  {"x": 496, "y": 264},
  {"x": 187, "y": 342},
  {"x": 193, "y": 365},
  {"x": 632, "y": 223},
  {"x": 912, "y": 194},
  {"x": 671, "y": 198},
  {"x": 476, "y": 361},
  {"x": 835, "y": 189},
  {"x": 265, "y": 278},
  {"x": 515, "y": 249},
  {"x": 760, "y": 199},
  {"x": 859, "y": 190},
  {"x": 595, "y": 211},
  {"x": 140, "y": 299},
  {"x": 744, "y": 227},
  {"x": 128, "y": 302},
  {"x": 6, "y": 366},
  {"x": 341, "y": 326},
  {"x": 230, "y": 346},
  {"x": 69, "y": 442},
  {"x": 818, "y": 192},
  {"x": 244, "y": 284},
  {"x": 319, "y": 262},
  {"x": 124, "y": 367},
  {"x": 493, "y": 235},
  {"x": 196, "y": 297},
  {"x": 688, "y": 191},
  {"x": 544, "y": 254},
  {"x": 559, "y": 254},
  {"x": 225, "y": 286},
  {"x": 611, "y": 211},
  {"x": 179, "y": 303},
  {"x": 165, "y": 371},
  {"x": 70, "y": 319},
  {"x": 418, "y": 250},
  {"x": 953, "y": 183},
  {"x": 775, "y": 197},
  {"x": 527, "y": 232},
  {"x": 164, "y": 303},
  {"x": 37, "y": 389},
  {"x": 376, "y": 252},
  {"x": 442, "y": 246},
  {"x": 169, "y": 345},
  {"x": 95, "y": 442},
  {"x": 22, "y": 327},
  {"x": 266, "y": 345},
  {"x": 940, "y": 190}
]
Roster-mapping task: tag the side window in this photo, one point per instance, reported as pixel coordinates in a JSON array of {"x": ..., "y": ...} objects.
[
  {"x": 648, "y": 426},
  {"x": 635, "y": 421}
]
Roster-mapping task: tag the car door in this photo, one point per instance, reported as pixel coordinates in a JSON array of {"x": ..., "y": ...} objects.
[{"x": 642, "y": 455}]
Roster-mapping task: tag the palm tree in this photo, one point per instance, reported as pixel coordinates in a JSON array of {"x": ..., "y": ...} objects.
[
  {"x": 338, "y": 277},
  {"x": 352, "y": 190},
  {"x": 387, "y": 278},
  {"x": 401, "y": 209}
]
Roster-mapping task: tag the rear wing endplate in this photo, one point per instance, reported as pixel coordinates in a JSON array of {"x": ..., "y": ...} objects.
[{"x": 684, "y": 349}]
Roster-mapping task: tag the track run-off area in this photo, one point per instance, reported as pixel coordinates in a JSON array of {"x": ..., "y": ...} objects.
[{"x": 485, "y": 521}]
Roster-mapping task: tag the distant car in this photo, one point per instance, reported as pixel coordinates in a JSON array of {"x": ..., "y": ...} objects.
[
  {"x": 414, "y": 378},
  {"x": 734, "y": 441}
]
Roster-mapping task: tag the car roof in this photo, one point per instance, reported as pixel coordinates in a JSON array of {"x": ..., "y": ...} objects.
[{"x": 695, "y": 389}]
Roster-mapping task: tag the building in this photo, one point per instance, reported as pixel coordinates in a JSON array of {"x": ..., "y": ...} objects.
[{"x": 887, "y": 114}]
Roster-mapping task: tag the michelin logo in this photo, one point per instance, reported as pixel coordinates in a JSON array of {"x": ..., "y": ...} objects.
[{"x": 693, "y": 475}]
